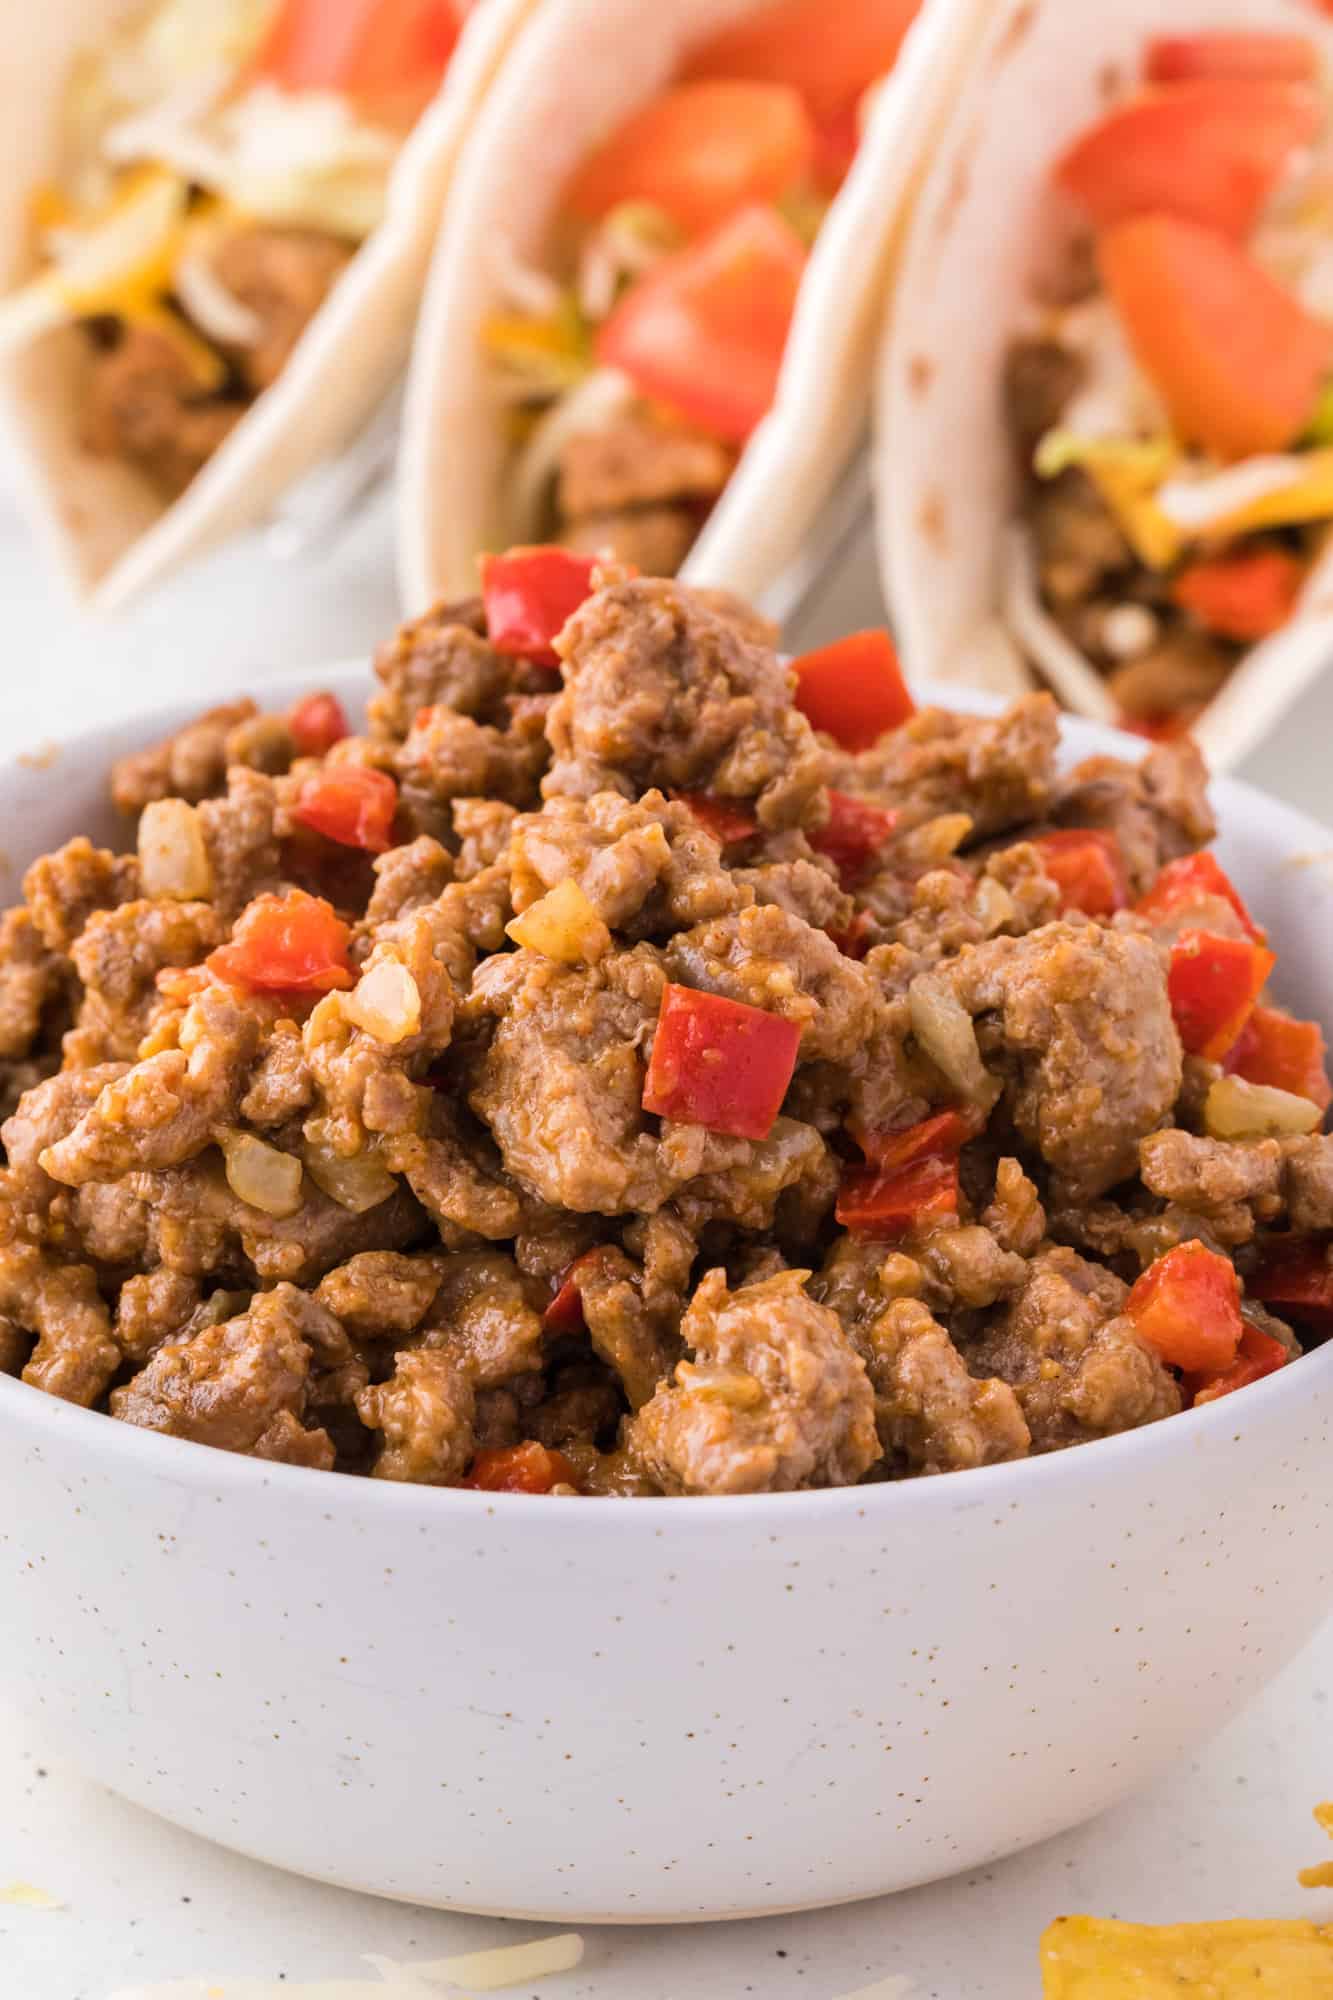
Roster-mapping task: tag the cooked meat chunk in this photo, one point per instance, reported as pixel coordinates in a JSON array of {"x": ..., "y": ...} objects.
[
  {"x": 118, "y": 956},
  {"x": 1075, "y": 1363},
  {"x": 647, "y": 868},
  {"x": 1181, "y": 672},
  {"x": 227, "y": 1384},
  {"x": 190, "y": 765},
  {"x": 154, "y": 1307},
  {"x": 281, "y": 277},
  {"x": 774, "y": 1398},
  {"x": 1078, "y": 541},
  {"x": 241, "y": 837},
  {"x": 929, "y": 1410},
  {"x": 34, "y": 979},
  {"x": 75, "y": 1356},
  {"x": 768, "y": 959},
  {"x": 1157, "y": 810},
  {"x": 1307, "y": 1179},
  {"x": 63, "y": 889},
  {"x": 638, "y": 1344},
  {"x": 447, "y": 756},
  {"x": 661, "y": 691},
  {"x": 487, "y": 1316},
  {"x": 1234, "y": 1187},
  {"x": 638, "y": 462},
  {"x": 425, "y": 1412},
  {"x": 380, "y": 1294},
  {"x": 653, "y": 540},
  {"x": 144, "y": 403},
  {"x": 1079, "y": 1019},
  {"x": 443, "y": 660},
  {"x": 1040, "y": 377},
  {"x": 1000, "y": 772}
]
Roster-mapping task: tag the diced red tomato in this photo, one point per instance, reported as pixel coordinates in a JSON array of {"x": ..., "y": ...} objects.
[
  {"x": 1295, "y": 1278},
  {"x": 1192, "y": 883},
  {"x": 1187, "y": 1307},
  {"x": 829, "y": 53},
  {"x": 701, "y": 151},
  {"x": 529, "y": 594},
  {"x": 706, "y": 329},
  {"x": 940, "y": 1137},
  {"x": 1259, "y": 1355},
  {"x": 837, "y": 142},
  {"x": 1088, "y": 869},
  {"x": 727, "y": 821},
  {"x": 1253, "y": 56},
  {"x": 1244, "y": 597},
  {"x": 889, "y": 1206},
  {"x": 854, "y": 833},
  {"x": 1237, "y": 360},
  {"x": 719, "y": 1063},
  {"x": 518, "y": 1468},
  {"x": 1213, "y": 983},
  {"x": 286, "y": 944},
  {"x": 565, "y": 1312},
  {"x": 1285, "y": 1054},
  {"x": 317, "y": 723},
  {"x": 390, "y": 53},
  {"x": 854, "y": 689},
  {"x": 1211, "y": 151},
  {"x": 351, "y": 804}
]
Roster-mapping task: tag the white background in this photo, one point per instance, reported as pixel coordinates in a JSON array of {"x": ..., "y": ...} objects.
[{"x": 1220, "y": 1837}]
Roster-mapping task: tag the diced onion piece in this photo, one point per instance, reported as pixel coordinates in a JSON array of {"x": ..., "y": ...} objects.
[
  {"x": 1234, "y": 1109},
  {"x": 563, "y": 925},
  {"x": 356, "y": 1184},
  {"x": 492, "y": 1971},
  {"x": 260, "y": 1176},
  {"x": 211, "y": 307},
  {"x": 173, "y": 856},
  {"x": 943, "y": 1027},
  {"x": 385, "y": 1002}
]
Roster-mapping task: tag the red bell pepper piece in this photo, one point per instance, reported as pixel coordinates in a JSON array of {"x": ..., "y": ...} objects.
[
  {"x": 939, "y": 1137},
  {"x": 317, "y": 723},
  {"x": 830, "y": 53},
  {"x": 1259, "y": 1355},
  {"x": 1238, "y": 361},
  {"x": 854, "y": 689},
  {"x": 1252, "y": 56},
  {"x": 286, "y": 944},
  {"x": 351, "y": 804},
  {"x": 1296, "y": 1280},
  {"x": 1187, "y": 1307},
  {"x": 889, "y": 1206},
  {"x": 1210, "y": 150},
  {"x": 705, "y": 329},
  {"x": 1245, "y": 597},
  {"x": 1213, "y": 983},
  {"x": 854, "y": 942},
  {"x": 719, "y": 1063},
  {"x": 699, "y": 151},
  {"x": 853, "y": 834},
  {"x": 1087, "y": 867},
  {"x": 1191, "y": 884},
  {"x": 727, "y": 821},
  {"x": 529, "y": 593},
  {"x": 565, "y": 1312},
  {"x": 518, "y": 1468},
  {"x": 1284, "y": 1053},
  {"x": 837, "y": 142}
]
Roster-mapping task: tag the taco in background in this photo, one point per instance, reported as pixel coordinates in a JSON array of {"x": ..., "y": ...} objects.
[
  {"x": 1107, "y": 399},
  {"x": 653, "y": 306},
  {"x": 214, "y": 227}
]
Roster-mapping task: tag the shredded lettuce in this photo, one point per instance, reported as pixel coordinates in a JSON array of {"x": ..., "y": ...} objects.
[{"x": 539, "y": 358}]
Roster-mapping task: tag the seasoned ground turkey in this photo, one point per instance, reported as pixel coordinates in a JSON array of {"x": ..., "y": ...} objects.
[{"x": 536, "y": 1093}]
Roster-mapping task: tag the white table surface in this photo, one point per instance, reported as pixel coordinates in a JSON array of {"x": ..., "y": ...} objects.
[{"x": 1222, "y": 1836}]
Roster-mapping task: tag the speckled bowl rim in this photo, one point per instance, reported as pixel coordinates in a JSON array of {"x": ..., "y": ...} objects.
[{"x": 1101, "y": 1460}]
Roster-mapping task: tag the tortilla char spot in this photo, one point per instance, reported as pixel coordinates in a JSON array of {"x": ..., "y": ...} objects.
[
  {"x": 920, "y": 374},
  {"x": 959, "y": 183},
  {"x": 932, "y": 519},
  {"x": 1110, "y": 81},
  {"x": 1020, "y": 25}
]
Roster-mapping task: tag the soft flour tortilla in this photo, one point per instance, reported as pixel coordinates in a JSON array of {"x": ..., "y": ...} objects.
[
  {"x": 987, "y": 225},
  {"x": 109, "y": 528},
  {"x": 582, "y": 68}
]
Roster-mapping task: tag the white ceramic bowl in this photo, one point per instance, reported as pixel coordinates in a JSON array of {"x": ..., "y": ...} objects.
[{"x": 661, "y": 1709}]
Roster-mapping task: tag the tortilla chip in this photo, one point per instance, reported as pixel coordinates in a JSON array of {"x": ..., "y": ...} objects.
[
  {"x": 1321, "y": 1875},
  {"x": 1094, "y": 1958}
]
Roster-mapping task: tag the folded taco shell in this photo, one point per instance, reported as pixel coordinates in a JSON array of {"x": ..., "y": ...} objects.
[
  {"x": 111, "y": 532},
  {"x": 987, "y": 227},
  {"x": 581, "y": 69}
]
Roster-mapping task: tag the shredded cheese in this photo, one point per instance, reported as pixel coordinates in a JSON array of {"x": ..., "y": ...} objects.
[
  {"x": 27, "y": 1896},
  {"x": 477, "y": 1971}
]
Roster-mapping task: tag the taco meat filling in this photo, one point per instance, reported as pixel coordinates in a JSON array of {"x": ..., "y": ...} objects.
[
  {"x": 219, "y": 176},
  {"x": 634, "y": 1065},
  {"x": 1170, "y": 408},
  {"x": 637, "y": 360}
]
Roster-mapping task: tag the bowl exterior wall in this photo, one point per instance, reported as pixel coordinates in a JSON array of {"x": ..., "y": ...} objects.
[{"x": 658, "y": 1710}]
